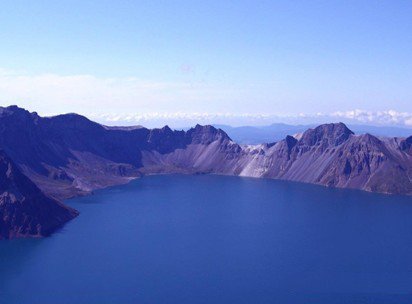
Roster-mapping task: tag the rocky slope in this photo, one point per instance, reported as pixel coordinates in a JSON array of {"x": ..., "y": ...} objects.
[
  {"x": 329, "y": 155},
  {"x": 69, "y": 155},
  {"x": 24, "y": 209}
]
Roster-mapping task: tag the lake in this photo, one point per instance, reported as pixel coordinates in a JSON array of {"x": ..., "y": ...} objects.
[{"x": 216, "y": 239}]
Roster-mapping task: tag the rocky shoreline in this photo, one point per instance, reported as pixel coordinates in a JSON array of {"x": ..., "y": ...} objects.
[{"x": 63, "y": 156}]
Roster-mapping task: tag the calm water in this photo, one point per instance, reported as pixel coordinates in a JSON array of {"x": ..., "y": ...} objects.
[{"x": 214, "y": 239}]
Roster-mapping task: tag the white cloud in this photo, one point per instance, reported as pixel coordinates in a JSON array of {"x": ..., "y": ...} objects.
[
  {"x": 52, "y": 93},
  {"x": 408, "y": 122},
  {"x": 130, "y": 100},
  {"x": 181, "y": 119},
  {"x": 389, "y": 117}
]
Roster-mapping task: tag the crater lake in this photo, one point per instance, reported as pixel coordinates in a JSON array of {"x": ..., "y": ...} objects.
[{"x": 218, "y": 239}]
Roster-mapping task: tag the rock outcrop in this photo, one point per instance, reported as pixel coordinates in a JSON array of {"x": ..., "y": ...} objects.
[{"x": 24, "y": 210}]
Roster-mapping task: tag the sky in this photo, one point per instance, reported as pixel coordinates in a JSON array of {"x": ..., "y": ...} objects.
[{"x": 235, "y": 62}]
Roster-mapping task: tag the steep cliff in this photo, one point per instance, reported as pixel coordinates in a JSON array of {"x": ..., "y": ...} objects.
[{"x": 24, "y": 210}]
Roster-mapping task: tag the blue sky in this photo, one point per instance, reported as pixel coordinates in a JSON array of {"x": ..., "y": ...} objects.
[{"x": 122, "y": 59}]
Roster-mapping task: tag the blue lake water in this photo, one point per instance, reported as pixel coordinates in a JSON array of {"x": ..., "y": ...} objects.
[{"x": 215, "y": 239}]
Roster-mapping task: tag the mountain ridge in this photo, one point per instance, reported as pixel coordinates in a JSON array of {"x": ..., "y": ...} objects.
[
  {"x": 253, "y": 135},
  {"x": 69, "y": 155}
]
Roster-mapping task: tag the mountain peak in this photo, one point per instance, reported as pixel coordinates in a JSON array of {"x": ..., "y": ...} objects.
[
  {"x": 12, "y": 108},
  {"x": 206, "y": 134},
  {"x": 16, "y": 111},
  {"x": 167, "y": 129},
  {"x": 332, "y": 134}
]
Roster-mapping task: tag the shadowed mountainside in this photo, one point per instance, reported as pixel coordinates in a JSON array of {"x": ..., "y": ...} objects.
[
  {"x": 24, "y": 209},
  {"x": 69, "y": 155}
]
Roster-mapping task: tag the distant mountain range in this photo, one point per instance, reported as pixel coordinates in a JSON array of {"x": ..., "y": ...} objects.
[
  {"x": 253, "y": 135},
  {"x": 47, "y": 159}
]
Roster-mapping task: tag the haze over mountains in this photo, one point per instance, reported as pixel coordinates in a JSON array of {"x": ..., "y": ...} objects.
[
  {"x": 253, "y": 135},
  {"x": 69, "y": 155}
]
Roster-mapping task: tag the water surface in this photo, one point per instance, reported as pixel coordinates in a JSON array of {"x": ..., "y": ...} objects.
[{"x": 215, "y": 239}]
